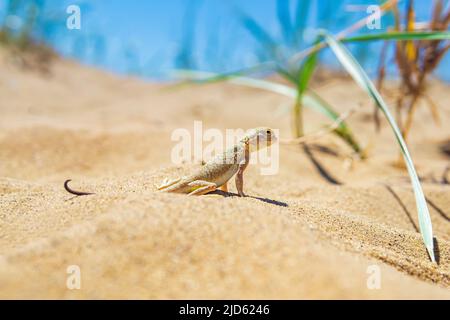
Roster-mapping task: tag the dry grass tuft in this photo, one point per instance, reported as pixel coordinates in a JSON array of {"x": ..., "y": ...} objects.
[{"x": 415, "y": 60}]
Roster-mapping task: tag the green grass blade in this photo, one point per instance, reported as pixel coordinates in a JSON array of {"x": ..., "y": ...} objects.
[
  {"x": 301, "y": 19},
  {"x": 288, "y": 75},
  {"x": 266, "y": 41},
  {"x": 310, "y": 99},
  {"x": 208, "y": 78},
  {"x": 306, "y": 71},
  {"x": 359, "y": 75},
  {"x": 304, "y": 76},
  {"x": 401, "y": 36},
  {"x": 201, "y": 77},
  {"x": 284, "y": 19}
]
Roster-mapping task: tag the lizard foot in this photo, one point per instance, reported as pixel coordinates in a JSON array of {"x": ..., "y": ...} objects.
[{"x": 204, "y": 187}]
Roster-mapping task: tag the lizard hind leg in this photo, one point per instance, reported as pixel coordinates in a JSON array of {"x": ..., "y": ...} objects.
[
  {"x": 224, "y": 188},
  {"x": 204, "y": 187},
  {"x": 168, "y": 183}
]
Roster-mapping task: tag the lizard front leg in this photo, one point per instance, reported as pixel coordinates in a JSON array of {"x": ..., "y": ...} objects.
[{"x": 240, "y": 174}]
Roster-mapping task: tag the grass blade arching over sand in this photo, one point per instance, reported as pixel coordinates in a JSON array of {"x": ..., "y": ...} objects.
[{"x": 359, "y": 75}]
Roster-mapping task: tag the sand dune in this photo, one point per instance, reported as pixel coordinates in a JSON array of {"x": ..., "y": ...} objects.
[{"x": 297, "y": 235}]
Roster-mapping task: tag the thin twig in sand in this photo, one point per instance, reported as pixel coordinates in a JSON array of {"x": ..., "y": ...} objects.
[{"x": 322, "y": 132}]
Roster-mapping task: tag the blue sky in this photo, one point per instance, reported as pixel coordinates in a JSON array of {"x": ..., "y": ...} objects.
[{"x": 145, "y": 37}]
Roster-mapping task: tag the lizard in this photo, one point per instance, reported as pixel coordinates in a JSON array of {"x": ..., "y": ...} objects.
[{"x": 217, "y": 172}]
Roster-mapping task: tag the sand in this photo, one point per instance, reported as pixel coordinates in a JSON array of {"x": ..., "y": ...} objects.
[{"x": 297, "y": 235}]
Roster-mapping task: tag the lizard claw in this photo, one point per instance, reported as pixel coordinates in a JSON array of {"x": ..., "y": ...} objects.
[{"x": 163, "y": 184}]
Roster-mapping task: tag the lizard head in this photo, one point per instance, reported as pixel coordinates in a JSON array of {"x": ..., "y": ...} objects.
[{"x": 260, "y": 137}]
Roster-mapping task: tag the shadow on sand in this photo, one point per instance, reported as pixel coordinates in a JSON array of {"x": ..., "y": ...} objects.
[{"x": 266, "y": 200}]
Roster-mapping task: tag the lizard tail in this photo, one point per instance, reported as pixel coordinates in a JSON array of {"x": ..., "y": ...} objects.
[
  {"x": 76, "y": 193},
  {"x": 168, "y": 183}
]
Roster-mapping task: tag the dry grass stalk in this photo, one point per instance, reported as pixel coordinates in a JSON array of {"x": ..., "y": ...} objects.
[{"x": 416, "y": 60}]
